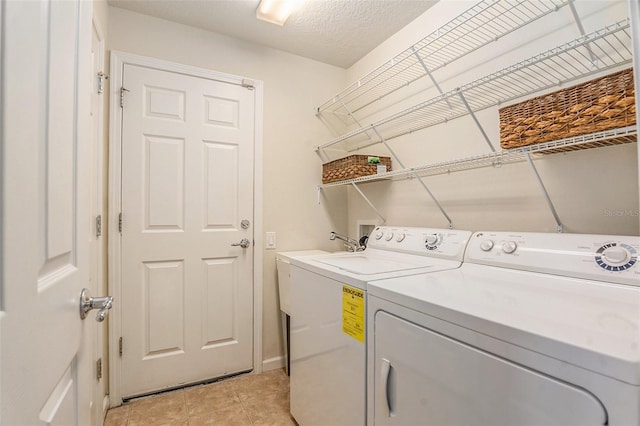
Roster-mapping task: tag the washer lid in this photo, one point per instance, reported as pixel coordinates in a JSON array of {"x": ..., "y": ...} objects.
[{"x": 590, "y": 324}]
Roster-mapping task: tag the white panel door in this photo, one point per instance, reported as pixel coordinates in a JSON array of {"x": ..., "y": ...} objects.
[
  {"x": 45, "y": 346},
  {"x": 187, "y": 183}
]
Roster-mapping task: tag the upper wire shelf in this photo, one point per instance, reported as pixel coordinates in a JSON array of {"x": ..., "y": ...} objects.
[
  {"x": 497, "y": 159},
  {"x": 611, "y": 47},
  {"x": 478, "y": 26}
]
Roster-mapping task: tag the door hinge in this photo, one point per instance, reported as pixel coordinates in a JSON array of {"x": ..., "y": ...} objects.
[
  {"x": 101, "y": 78},
  {"x": 122, "y": 91},
  {"x": 99, "y": 369},
  {"x": 248, "y": 84},
  {"x": 98, "y": 225},
  {"x": 120, "y": 223},
  {"x": 120, "y": 346}
]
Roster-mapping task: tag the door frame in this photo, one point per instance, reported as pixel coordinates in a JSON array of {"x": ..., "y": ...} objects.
[
  {"x": 118, "y": 61},
  {"x": 99, "y": 286}
]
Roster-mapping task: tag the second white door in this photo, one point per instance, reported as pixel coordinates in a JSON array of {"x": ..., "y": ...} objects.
[{"x": 187, "y": 187}]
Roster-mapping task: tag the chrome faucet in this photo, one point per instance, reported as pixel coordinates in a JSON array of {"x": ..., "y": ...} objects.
[{"x": 350, "y": 243}]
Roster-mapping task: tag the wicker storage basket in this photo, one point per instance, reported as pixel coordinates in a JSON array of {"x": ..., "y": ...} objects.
[
  {"x": 351, "y": 167},
  {"x": 601, "y": 104}
]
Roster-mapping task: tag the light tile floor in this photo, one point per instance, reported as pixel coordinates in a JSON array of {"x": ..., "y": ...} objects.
[{"x": 251, "y": 399}]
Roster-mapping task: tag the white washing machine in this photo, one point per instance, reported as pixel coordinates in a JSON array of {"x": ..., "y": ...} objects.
[
  {"x": 533, "y": 329},
  {"x": 328, "y": 321}
]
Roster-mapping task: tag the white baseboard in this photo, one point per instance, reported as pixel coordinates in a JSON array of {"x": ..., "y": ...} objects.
[{"x": 273, "y": 363}]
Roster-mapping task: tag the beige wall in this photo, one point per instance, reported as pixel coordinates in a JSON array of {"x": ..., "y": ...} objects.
[
  {"x": 292, "y": 87},
  {"x": 594, "y": 191}
]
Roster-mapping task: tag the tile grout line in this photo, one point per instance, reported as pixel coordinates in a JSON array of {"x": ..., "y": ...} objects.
[
  {"x": 186, "y": 407},
  {"x": 244, "y": 408}
]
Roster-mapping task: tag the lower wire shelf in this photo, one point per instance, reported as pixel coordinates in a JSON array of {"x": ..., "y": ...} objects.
[{"x": 496, "y": 159}]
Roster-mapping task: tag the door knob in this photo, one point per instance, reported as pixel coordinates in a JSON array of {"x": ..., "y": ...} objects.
[
  {"x": 88, "y": 303},
  {"x": 244, "y": 243}
]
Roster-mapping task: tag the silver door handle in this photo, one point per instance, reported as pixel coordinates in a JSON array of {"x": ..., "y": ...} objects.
[
  {"x": 244, "y": 243},
  {"x": 385, "y": 372},
  {"x": 88, "y": 303}
]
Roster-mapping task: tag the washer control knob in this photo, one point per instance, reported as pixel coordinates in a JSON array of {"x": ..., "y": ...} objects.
[
  {"x": 615, "y": 255},
  {"x": 509, "y": 247},
  {"x": 400, "y": 237},
  {"x": 389, "y": 236},
  {"x": 431, "y": 242},
  {"x": 486, "y": 245},
  {"x": 378, "y": 235}
]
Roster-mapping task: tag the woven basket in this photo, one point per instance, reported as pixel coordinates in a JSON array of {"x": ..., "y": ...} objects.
[
  {"x": 597, "y": 105},
  {"x": 351, "y": 167}
]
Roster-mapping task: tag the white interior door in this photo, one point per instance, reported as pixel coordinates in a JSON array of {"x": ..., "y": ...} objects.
[
  {"x": 46, "y": 347},
  {"x": 187, "y": 185}
]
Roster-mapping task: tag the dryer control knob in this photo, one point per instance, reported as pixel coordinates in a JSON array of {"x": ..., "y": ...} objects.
[
  {"x": 400, "y": 237},
  {"x": 389, "y": 236},
  {"x": 509, "y": 247},
  {"x": 378, "y": 235},
  {"x": 615, "y": 255},
  {"x": 486, "y": 245}
]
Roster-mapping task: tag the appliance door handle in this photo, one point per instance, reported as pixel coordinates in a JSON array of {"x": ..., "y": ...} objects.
[{"x": 385, "y": 373}]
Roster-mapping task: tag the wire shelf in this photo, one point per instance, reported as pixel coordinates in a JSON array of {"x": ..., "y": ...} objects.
[
  {"x": 478, "y": 26},
  {"x": 610, "y": 45},
  {"x": 497, "y": 159}
]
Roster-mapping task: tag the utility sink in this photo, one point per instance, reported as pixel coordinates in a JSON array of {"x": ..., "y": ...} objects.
[{"x": 283, "y": 265}]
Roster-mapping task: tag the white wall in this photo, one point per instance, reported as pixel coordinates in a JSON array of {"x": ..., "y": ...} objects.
[
  {"x": 293, "y": 86},
  {"x": 594, "y": 191}
]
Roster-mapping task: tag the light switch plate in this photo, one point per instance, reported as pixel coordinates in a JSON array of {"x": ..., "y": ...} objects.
[{"x": 270, "y": 240}]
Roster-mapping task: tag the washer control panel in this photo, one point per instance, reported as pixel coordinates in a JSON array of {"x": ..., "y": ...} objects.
[
  {"x": 599, "y": 257},
  {"x": 442, "y": 243}
]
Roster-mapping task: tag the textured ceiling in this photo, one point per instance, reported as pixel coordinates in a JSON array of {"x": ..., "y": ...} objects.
[{"x": 337, "y": 32}]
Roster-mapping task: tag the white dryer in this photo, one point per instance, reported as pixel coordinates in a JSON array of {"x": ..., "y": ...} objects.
[
  {"x": 328, "y": 316},
  {"x": 533, "y": 329}
]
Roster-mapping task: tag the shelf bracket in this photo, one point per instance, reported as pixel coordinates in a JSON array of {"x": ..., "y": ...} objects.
[
  {"x": 426, "y": 69},
  {"x": 576, "y": 17},
  {"x": 475, "y": 119},
  {"x": 354, "y": 118},
  {"x": 424, "y": 185},
  {"x": 370, "y": 203},
  {"x": 559, "y": 227},
  {"x": 415, "y": 174}
]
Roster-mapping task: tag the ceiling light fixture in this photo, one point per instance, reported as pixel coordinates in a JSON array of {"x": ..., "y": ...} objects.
[{"x": 275, "y": 11}]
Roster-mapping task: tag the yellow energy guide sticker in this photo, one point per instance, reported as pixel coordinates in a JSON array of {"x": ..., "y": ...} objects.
[{"x": 353, "y": 312}]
